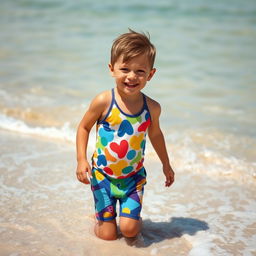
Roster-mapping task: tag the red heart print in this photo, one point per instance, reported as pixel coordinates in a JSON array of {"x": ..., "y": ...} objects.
[
  {"x": 108, "y": 170},
  {"x": 121, "y": 149},
  {"x": 143, "y": 127}
]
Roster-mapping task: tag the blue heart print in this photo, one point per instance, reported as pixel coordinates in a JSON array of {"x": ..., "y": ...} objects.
[
  {"x": 106, "y": 135},
  {"x": 101, "y": 160},
  {"x": 131, "y": 154},
  {"x": 125, "y": 127},
  {"x": 127, "y": 169}
]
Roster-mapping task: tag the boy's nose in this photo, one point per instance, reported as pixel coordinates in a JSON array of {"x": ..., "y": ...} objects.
[{"x": 131, "y": 75}]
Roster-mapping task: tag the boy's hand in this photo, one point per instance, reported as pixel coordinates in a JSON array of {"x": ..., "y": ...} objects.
[
  {"x": 84, "y": 171},
  {"x": 169, "y": 174}
]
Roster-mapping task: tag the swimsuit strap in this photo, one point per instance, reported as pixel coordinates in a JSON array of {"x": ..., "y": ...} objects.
[{"x": 145, "y": 105}]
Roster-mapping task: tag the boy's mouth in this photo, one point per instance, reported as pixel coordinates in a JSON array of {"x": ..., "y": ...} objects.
[{"x": 131, "y": 85}]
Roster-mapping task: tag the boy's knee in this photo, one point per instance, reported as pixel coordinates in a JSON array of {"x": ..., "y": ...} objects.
[
  {"x": 107, "y": 236},
  {"x": 106, "y": 231},
  {"x": 128, "y": 232},
  {"x": 130, "y": 229}
]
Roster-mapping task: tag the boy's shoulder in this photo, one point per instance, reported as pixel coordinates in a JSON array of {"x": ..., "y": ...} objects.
[
  {"x": 102, "y": 98},
  {"x": 154, "y": 107},
  {"x": 152, "y": 104},
  {"x": 100, "y": 102}
]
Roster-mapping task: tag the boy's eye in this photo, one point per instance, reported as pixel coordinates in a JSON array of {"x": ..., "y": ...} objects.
[
  {"x": 124, "y": 69},
  {"x": 141, "y": 71}
]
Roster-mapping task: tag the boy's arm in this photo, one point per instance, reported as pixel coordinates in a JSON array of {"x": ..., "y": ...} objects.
[
  {"x": 94, "y": 112},
  {"x": 157, "y": 140}
]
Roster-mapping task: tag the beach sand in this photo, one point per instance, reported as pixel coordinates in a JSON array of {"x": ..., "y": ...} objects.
[{"x": 46, "y": 211}]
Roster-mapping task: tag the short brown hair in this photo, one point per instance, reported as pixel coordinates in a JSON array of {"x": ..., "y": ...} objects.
[{"x": 132, "y": 44}]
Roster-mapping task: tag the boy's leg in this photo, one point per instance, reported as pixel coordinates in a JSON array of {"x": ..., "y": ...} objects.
[
  {"x": 130, "y": 227},
  {"x": 106, "y": 230},
  {"x": 104, "y": 206},
  {"x": 130, "y": 206}
]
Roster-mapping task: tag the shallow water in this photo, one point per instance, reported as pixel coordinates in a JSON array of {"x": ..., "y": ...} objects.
[
  {"x": 45, "y": 211},
  {"x": 53, "y": 61}
]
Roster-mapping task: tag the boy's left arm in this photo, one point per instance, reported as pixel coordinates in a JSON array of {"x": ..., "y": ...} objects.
[{"x": 158, "y": 142}]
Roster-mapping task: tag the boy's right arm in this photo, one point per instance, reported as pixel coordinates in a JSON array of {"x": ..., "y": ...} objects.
[{"x": 94, "y": 112}]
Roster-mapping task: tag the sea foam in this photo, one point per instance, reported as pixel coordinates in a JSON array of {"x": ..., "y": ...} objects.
[{"x": 64, "y": 133}]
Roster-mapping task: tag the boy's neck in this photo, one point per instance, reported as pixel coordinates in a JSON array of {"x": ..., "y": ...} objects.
[
  {"x": 130, "y": 104},
  {"x": 129, "y": 98}
]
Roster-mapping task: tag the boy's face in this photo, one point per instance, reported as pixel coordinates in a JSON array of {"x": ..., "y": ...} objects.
[{"x": 132, "y": 76}]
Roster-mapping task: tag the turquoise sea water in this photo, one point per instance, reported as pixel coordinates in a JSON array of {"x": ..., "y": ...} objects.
[
  {"x": 55, "y": 54},
  {"x": 54, "y": 59}
]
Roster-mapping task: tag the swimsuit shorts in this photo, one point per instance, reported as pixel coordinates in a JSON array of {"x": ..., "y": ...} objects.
[{"x": 128, "y": 191}]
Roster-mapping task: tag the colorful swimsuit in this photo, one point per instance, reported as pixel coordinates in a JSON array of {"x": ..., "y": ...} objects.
[{"x": 118, "y": 171}]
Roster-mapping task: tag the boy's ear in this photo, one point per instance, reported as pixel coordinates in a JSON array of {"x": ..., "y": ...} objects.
[
  {"x": 111, "y": 69},
  {"x": 151, "y": 74}
]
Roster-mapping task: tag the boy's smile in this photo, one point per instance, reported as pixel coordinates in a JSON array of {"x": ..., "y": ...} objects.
[{"x": 132, "y": 76}]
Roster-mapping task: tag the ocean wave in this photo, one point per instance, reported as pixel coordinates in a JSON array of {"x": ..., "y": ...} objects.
[
  {"x": 64, "y": 133},
  {"x": 214, "y": 153},
  {"x": 208, "y": 154}
]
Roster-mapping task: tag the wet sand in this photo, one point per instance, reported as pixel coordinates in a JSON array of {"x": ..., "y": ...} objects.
[{"x": 46, "y": 211}]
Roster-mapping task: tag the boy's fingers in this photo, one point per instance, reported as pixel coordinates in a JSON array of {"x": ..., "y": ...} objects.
[
  {"x": 82, "y": 177},
  {"x": 85, "y": 178},
  {"x": 169, "y": 181}
]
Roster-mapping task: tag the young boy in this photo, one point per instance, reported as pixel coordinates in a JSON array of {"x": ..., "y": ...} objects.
[{"x": 124, "y": 116}]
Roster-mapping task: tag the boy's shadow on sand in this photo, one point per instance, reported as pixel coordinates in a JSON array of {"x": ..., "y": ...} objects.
[{"x": 154, "y": 232}]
